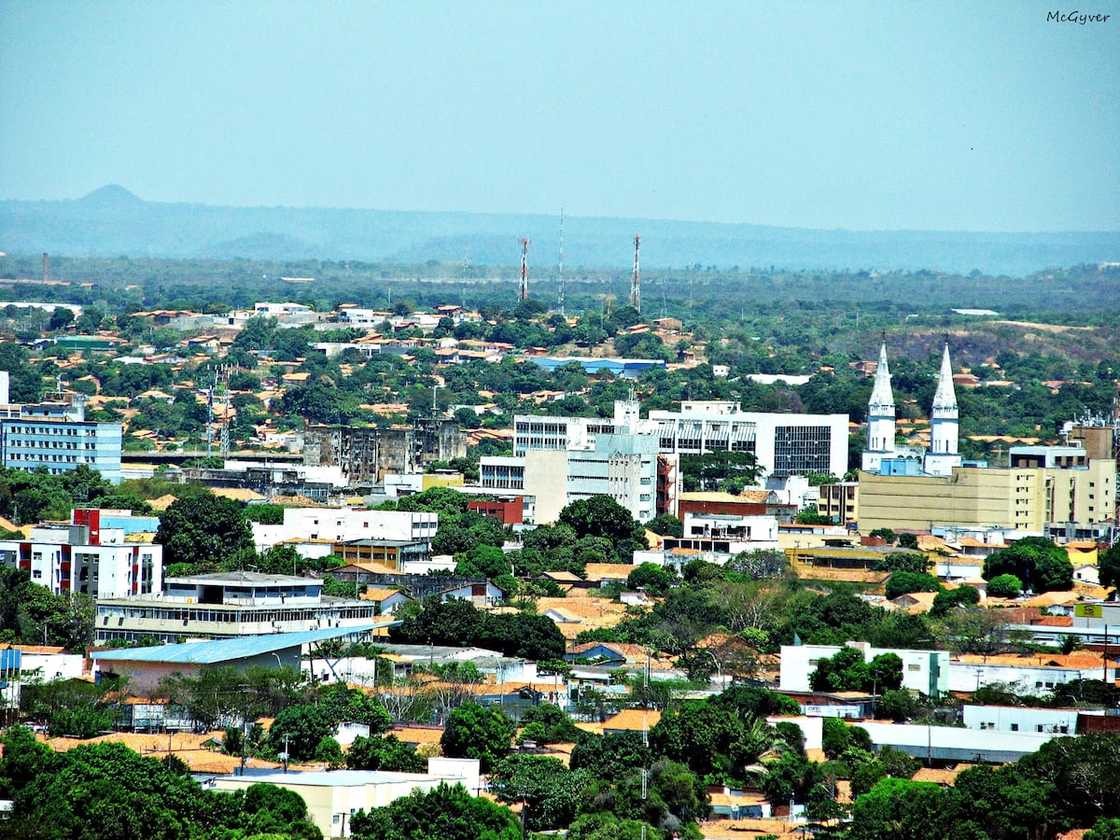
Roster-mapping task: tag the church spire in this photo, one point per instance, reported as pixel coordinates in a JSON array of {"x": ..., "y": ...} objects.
[
  {"x": 945, "y": 398},
  {"x": 881, "y": 403}
]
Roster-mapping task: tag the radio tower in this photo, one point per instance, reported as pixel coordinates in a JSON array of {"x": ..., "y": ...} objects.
[
  {"x": 560, "y": 270},
  {"x": 46, "y": 267},
  {"x": 636, "y": 278},
  {"x": 523, "y": 289}
]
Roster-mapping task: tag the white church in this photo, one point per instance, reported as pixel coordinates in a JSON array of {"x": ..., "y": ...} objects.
[{"x": 944, "y": 420}]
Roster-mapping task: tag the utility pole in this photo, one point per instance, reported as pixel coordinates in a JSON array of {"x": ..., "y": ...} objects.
[
  {"x": 636, "y": 277},
  {"x": 523, "y": 287}
]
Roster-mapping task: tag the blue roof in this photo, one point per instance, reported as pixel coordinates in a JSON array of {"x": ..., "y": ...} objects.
[{"x": 226, "y": 650}]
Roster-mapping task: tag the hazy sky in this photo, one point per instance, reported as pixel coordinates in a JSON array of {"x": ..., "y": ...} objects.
[{"x": 980, "y": 116}]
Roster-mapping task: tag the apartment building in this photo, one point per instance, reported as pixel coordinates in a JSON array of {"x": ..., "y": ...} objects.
[
  {"x": 725, "y": 534},
  {"x": 228, "y": 604},
  {"x": 367, "y": 454},
  {"x": 75, "y": 558}
]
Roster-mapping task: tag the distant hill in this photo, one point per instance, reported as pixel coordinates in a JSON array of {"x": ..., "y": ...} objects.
[{"x": 111, "y": 221}]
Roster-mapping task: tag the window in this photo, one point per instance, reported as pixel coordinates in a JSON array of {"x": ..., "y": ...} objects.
[
  {"x": 1014, "y": 727},
  {"x": 913, "y": 666}
]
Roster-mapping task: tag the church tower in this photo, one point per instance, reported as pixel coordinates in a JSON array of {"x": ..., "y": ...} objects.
[
  {"x": 880, "y": 417},
  {"x": 944, "y": 422}
]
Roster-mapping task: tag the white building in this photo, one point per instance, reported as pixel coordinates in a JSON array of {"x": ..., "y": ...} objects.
[
  {"x": 717, "y": 537},
  {"x": 65, "y": 558},
  {"x": 951, "y": 743},
  {"x": 972, "y": 673},
  {"x": 784, "y": 444},
  {"x": 1020, "y": 719},
  {"x": 335, "y": 525},
  {"x": 943, "y": 453},
  {"x": 926, "y": 671},
  {"x": 333, "y": 797},
  {"x": 227, "y": 604}
]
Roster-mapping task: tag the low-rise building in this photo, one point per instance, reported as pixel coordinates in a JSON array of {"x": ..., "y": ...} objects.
[
  {"x": 1030, "y": 674},
  {"x": 926, "y": 671},
  {"x": 228, "y": 604},
  {"x": 1020, "y": 719},
  {"x": 340, "y": 525},
  {"x": 333, "y": 797}
]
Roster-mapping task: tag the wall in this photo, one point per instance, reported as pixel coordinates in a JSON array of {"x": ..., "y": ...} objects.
[{"x": 1020, "y": 719}]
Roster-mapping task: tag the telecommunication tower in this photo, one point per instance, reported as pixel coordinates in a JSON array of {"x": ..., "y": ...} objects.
[
  {"x": 560, "y": 264},
  {"x": 636, "y": 277},
  {"x": 523, "y": 288}
]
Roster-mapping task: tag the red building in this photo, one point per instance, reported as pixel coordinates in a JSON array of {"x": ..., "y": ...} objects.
[{"x": 508, "y": 511}]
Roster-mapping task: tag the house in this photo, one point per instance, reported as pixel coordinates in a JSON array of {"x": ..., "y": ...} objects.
[
  {"x": 1020, "y": 719},
  {"x": 1034, "y": 674},
  {"x": 333, "y": 797},
  {"x": 386, "y": 599}
]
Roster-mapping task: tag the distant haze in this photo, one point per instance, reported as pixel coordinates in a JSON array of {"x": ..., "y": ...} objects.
[
  {"x": 860, "y": 115},
  {"x": 112, "y": 221}
]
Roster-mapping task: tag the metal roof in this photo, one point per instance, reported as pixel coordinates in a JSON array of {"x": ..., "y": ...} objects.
[
  {"x": 234, "y": 578},
  {"x": 227, "y": 650}
]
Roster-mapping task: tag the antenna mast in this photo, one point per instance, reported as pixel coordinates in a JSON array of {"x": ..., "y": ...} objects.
[
  {"x": 46, "y": 266},
  {"x": 523, "y": 289},
  {"x": 560, "y": 270},
  {"x": 636, "y": 278}
]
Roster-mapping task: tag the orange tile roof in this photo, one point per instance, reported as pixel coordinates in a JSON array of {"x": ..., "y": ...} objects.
[{"x": 632, "y": 720}]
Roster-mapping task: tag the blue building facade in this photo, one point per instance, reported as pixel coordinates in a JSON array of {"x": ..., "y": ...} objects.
[{"x": 61, "y": 445}]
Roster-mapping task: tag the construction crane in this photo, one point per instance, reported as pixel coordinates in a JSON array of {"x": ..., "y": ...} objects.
[
  {"x": 636, "y": 277},
  {"x": 523, "y": 288}
]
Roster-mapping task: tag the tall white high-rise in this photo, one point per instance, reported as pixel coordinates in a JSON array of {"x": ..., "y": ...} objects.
[
  {"x": 880, "y": 417},
  {"x": 944, "y": 422}
]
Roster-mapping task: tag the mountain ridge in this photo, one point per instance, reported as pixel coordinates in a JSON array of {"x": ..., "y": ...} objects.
[{"x": 112, "y": 221}]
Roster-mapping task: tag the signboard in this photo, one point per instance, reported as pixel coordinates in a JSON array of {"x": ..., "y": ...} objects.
[{"x": 1088, "y": 610}]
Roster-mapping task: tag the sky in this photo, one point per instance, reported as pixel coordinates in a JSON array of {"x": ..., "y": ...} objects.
[{"x": 857, "y": 115}]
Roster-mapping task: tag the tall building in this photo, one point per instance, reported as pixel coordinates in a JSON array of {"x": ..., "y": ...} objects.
[
  {"x": 783, "y": 444},
  {"x": 622, "y": 465},
  {"x": 366, "y": 454},
  {"x": 56, "y": 436}
]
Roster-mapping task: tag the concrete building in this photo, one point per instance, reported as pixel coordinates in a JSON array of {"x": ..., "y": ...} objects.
[
  {"x": 1019, "y": 497},
  {"x": 333, "y": 797},
  {"x": 1020, "y": 719},
  {"x": 784, "y": 444},
  {"x": 341, "y": 525},
  {"x": 926, "y": 671},
  {"x": 953, "y": 744},
  {"x": 1036, "y": 674},
  {"x": 228, "y": 604},
  {"x": 57, "y": 437},
  {"x": 367, "y": 454},
  {"x": 839, "y": 501},
  {"x": 623, "y": 466},
  {"x": 69, "y": 558},
  {"x": 724, "y": 535}
]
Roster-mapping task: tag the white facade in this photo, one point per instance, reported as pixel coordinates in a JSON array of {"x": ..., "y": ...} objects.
[
  {"x": 345, "y": 524},
  {"x": 1021, "y": 719},
  {"x": 62, "y": 560},
  {"x": 1021, "y": 679},
  {"x": 880, "y": 417},
  {"x": 952, "y": 743},
  {"x": 944, "y": 422},
  {"x": 926, "y": 671}
]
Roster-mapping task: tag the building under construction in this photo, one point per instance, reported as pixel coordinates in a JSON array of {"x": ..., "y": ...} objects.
[{"x": 366, "y": 454}]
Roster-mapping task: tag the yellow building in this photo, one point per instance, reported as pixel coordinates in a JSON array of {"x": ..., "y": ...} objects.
[{"x": 1022, "y": 497}]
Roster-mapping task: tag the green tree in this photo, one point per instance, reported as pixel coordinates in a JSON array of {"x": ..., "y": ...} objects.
[
  {"x": 445, "y": 813},
  {"x": 203, "y": 531},
  {"x": 846, "y": 670},
  {"x": 900, "y": 583},
  {"x": 301, "y": 727},
  {"x": 1109, "y": 566},
  {"x": 652, "y": 577},
  {"x": 1039, "y": 564},
  {"x": 547, "y": 723},
  {"x": 667, "y": 525},
  {"x": 602, "y": 516},
  {"x": 550, "y": 793},
  {"x": 480, "y": 732},
  {"x": 384, "y": 753},
  {"x": 609, "y": 756},
  {"x": 1005, "y": 586}
]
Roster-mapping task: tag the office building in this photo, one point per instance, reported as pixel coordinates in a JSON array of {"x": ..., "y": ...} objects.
[
  {"x": 1043, "y": 485},
  {"x": 78, "y": 558},
  {"x": 783, "y": 444},
  {"x": 57, "y": 437},
  {"x": 228, "y": 604},
  {"x": 624, "y": 466}
]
